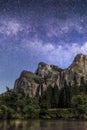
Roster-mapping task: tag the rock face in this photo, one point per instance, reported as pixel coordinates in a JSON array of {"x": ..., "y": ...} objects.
[{"x": 50, "y": 75}]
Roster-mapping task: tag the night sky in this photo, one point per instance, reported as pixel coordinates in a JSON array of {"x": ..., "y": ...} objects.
[{"x": 31, "y": 31}]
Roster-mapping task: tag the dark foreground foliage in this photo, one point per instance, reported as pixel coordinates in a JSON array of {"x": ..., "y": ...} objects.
[{"x": 69, "y": 102}]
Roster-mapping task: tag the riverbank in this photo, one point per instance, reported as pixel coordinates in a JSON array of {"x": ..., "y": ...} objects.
[
  {"x": 49, "y": 114},
  {"x": 62, "y": 114}
]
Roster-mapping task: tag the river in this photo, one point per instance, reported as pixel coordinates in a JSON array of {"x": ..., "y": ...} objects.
[{"x": 42, "y": 125}]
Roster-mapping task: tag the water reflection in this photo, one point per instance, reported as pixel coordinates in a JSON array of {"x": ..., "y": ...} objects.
[{"x": 42, "y": 125}]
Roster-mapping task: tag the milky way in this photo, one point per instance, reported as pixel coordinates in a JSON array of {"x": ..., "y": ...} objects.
[{"x": 31, "y": 31}]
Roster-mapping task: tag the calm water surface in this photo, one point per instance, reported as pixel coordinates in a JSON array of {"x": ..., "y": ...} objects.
[{"x": 43, "y": 125}]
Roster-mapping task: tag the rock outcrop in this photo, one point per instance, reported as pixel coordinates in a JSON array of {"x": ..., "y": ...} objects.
[{"x": 49, "y": 75}]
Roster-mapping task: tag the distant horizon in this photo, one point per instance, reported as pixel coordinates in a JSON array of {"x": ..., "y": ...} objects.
[{"x": 31, "y": 31}]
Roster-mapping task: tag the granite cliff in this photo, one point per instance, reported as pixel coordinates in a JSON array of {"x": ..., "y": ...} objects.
[{"x": 51, "y": 75}]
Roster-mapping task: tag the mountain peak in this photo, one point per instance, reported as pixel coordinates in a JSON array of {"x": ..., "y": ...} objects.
[
  {"x": 42, "y": 64},
  {"x": 80, "y": 57}
]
